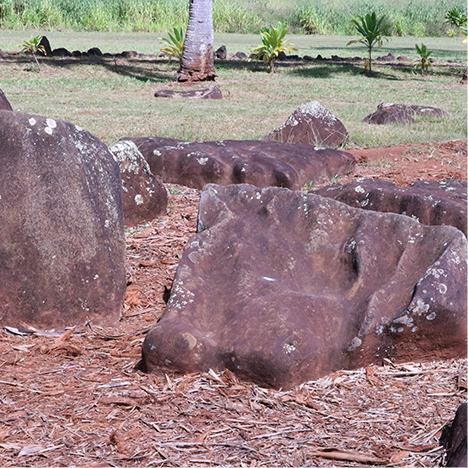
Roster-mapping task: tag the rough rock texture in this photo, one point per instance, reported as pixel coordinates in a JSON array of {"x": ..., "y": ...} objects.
[
  {"x": 62, "y": 245},
  {"x": 227, "y": 162},
  {"x": 144, "y": 197},
  {"x": 282, "y": 287},
  {"x": 4, "y": 103},
  {"x": 311, "y": 124},
  {"x": 209, "y": 93},
  {"x": 429, "y": 202},
  {"x": 454, "y": 439},
  {"x": 388, "y": 113}
]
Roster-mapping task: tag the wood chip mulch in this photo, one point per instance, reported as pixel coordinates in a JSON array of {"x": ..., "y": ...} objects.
[{"x": 71, "y": 397}]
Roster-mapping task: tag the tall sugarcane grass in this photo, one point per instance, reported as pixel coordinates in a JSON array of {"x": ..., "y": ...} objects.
[{"x": 414, "y": 17}]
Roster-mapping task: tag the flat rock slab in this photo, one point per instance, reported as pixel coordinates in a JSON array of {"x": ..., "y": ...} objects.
[
  {"x": 311, "y": 124},
  {"x": 210, "y": 93},
  {"x": 282, "y": 287},
  {"x": 429, "y": 202},
  {"x": 388, "y": 113},
  {"x": 260, "y": 163},
  {"x": 4, "y": 103},
  {"x": 62, "y": 243},
  {"x": 144, "y": 197}
]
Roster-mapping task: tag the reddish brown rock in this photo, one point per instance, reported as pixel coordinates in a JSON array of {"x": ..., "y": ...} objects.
[
  {"x": 144, "y": 197},
  {"x": 4, "y": 103},
  {"x": 388, "y": 113},
  {"x": 62, "y": 244},
  {"x": 429, "y": 202},
  {"x": 311, "y": 124},
  {"x": 455, "y": 440},
  {"x": 282, "y": 287},
  {"x": 260, "y": 163},
  {"x": 210, "y": 93}
]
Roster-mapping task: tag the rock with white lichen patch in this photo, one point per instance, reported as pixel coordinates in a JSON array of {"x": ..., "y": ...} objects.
[
  {"x": 144, "y": 197},
  {"x": 311, "y": 124},
  {"x": 62, "y": 243},
  {"x": 429, "y": 202},
  {"x": 260, "y": 163},
  {"x": 389, "y": 113},
  {"x": 281, "y": 287}
]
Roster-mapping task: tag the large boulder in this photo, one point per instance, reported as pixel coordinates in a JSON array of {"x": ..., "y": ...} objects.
[
  {"x": 311, "y": 124},
  {"x": 429, "y": 202},
  {"x": 4, "y": 103},
  {"x": 144, "y": 197},
  {"x": 62, "y": 243},
  {"x": 389, "y": 113},
  {"x": 260, "y": 163},
  {"x": 282, "y": 287}
]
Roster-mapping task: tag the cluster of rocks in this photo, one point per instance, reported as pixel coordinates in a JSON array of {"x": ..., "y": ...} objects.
[{"x": 278, "y": 285}]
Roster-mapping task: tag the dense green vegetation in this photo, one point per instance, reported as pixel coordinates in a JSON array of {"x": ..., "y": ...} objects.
[{"x": 411, "y": 17}]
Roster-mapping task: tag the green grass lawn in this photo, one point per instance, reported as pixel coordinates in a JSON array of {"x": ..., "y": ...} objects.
[{"x": 114, "y": 98}]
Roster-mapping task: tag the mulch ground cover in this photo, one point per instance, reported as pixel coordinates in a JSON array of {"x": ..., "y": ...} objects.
[{"x": 72, "y": 398}]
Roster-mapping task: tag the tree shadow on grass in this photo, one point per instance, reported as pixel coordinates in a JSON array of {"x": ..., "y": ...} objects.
[
  {"x": 141, "y": 70},
  {"x": 334, "y": 69}
]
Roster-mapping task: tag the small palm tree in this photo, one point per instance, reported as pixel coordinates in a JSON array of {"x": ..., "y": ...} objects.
[
  {"x": 33, "y": 46},
  {"x": 273, "y": 43},
  {"x": 174, "y": 46},
  {"x": 373, "y": 31},
  {"x": 423, "y": 61}
]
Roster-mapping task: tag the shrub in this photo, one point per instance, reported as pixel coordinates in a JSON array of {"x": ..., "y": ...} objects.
[{"x": 273, "y": 43}]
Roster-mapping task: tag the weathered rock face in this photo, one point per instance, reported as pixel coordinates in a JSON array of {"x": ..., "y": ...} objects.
[
  {"x": 209, "y": 93},
  {"x": 144, "y": 197},
  {"x": 62, "y": 244},
  {"x": 454, "y": 439},
  {"x": 388, "y": 113},
  {"x": 227, "y": 162},
  {"x": 429, "y": 202},
  {"x": 282, "y": 287},
  {"x": 311, "y": 124},
  {"x": 4, "y": 103}
]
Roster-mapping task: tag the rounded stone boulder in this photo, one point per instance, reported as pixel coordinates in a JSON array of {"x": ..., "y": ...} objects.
[{"x": 62, "y": 242}]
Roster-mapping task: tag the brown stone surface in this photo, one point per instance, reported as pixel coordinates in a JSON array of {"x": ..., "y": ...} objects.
[
  {"x": 208, "y": 93},
  {"x": 144, "y": 197},
  {"x": 454, "y": 438},
  {"x": 388, "y": 113},
  {"x": 429, "y": 202},
  {"x": 281, "y": 288},
  {"x": 4, "y": 103},
  {"x": 311, "y": 124},
  {"x": 260, "y": 163},
  {"x": 62, "y": 245}
]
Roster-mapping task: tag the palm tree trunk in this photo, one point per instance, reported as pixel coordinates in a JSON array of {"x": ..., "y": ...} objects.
[{"x": 197, "y": 62}]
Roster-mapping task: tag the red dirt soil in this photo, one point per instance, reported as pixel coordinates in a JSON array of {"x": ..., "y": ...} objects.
[{"x": 73, "y": 399}]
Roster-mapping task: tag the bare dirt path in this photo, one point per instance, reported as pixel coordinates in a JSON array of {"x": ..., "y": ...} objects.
[{"x": 74, "y": 400}]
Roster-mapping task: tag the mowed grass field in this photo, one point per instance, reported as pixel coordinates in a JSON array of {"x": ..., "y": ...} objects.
[{"x": 114, "y": 98}]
